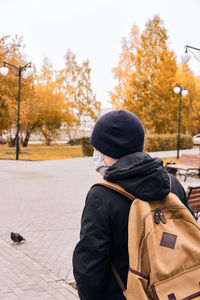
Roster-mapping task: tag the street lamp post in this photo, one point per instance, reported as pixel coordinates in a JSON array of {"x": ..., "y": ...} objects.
[
  {"x": 181, "y": 91},
  {"x": 24, "y": 71},
  {"x": 186, "y": 56}
]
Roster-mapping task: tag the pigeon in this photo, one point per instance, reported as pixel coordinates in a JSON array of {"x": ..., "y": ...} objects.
[
  {"x": 73, "y": 284},
  {"x": 16, "y": 237}
]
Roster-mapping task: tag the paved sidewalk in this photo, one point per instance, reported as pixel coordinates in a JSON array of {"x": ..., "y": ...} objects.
[
  {"x": 43, "y": 201},
  {"x": 173, "y": 153},
  {"x": 23, "y": 278}
]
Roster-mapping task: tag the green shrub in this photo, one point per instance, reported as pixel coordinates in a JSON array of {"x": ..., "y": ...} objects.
[
  {"x": 165, "y": 142},
  {"x": 153, "y": 142},
  {"x": 186, "y": 142},
  {"x": 87, "y": 149}
]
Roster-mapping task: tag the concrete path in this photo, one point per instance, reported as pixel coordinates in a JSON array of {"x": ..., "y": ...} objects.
[{"x": 43, "y": 201}]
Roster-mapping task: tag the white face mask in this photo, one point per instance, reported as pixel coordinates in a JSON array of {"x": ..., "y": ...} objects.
[
  {"x": 99, "y": 162},
  {"x": 98, "y": 159}
]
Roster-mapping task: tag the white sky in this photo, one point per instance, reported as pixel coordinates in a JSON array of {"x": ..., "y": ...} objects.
[{"x": 93, "y": 30}]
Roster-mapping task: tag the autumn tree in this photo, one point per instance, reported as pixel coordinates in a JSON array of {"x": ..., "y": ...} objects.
[
  {"x": 50, "y": 101},
  {"x": 74, "y": 83},
  {"x": 8, "y": 84},
  {"x": 31, "y": 119},
  {"x": 41, "y": 111},
  {"x": 51, "y": 115},
  {"x": 59, "y": 97},
  {"x": 12, "y": 51},
  {"x": 156, "y": 70},
  {"x": 125, "y": 70},
  {"x": 196, "y": 111},
  {"x": 151, "y": 79},
  {"x": 190, "y": 108}
]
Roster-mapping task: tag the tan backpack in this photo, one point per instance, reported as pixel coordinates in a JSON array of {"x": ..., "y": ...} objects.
[{"x": 164, "y": 250}]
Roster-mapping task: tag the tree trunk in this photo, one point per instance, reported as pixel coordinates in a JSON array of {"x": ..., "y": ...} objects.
[
  {"x": 12, "y": 141},
  {"x": 26, "y": 140},
  {"x": 69, "y": 134}
]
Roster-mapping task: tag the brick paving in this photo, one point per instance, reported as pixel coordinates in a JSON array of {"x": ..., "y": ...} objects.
[
  {"x": 23, "y": 278},
  {"x": 43, "y": 201}
]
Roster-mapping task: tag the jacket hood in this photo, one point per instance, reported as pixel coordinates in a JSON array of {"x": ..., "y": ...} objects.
[{"x": 141, "y": 175}]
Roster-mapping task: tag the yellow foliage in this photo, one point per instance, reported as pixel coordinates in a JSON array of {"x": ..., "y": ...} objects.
[
  {"x": 147, "y": 72},
  {"x": 48, "y": 100}
]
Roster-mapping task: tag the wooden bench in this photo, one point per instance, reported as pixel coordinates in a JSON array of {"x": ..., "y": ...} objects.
[
  {"x": 193, "y": 196},
  {"x": 188, "y": 164}
]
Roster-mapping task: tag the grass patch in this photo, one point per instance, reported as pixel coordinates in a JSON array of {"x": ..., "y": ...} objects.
[
  {"x": 55, "y": 151},
  {"x": 42, "y": 153}
]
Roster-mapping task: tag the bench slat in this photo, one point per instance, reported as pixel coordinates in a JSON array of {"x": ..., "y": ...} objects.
[
  {"x": 188, "y": 164},
  {"x": 195, "y": 195},
  {"x": 194, "y": 198},
  {"x": 190, "y": 159},
  {"x": 195, "y": 207},
  {"x": 194, "y": 202}
]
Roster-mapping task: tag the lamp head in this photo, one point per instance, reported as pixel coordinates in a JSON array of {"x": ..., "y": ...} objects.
[
  {"x": 24, "y": 74},
  {"x": 185, "y": 57},
  {"x": 4, "y": 71},
  {"x": 184, "y": 92},
  {"x": 177, "y": 90},
  {"x": 29, "y": 71}
]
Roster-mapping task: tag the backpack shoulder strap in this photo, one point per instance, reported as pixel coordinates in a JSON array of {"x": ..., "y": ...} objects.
[
  {"x": 118, "y": 278},
  {"x": 116, "y": 187}
]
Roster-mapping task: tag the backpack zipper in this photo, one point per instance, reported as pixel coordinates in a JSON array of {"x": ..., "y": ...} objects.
[{"x": 158, "y": 216}]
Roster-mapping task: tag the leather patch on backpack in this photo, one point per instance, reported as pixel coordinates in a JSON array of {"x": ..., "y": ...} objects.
[
  {"x": 172, "y": 297},
  {"x": 168, "y": 240}
]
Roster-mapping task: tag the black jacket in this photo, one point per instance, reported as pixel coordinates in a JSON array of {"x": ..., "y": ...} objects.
[{"x": 104, "y": 225}]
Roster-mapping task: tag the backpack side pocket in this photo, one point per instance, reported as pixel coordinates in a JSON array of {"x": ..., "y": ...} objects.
[{"x": 184, "y": 286}]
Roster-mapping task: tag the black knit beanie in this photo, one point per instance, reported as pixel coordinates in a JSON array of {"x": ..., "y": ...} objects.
[{"x": 118, "y": 133}]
